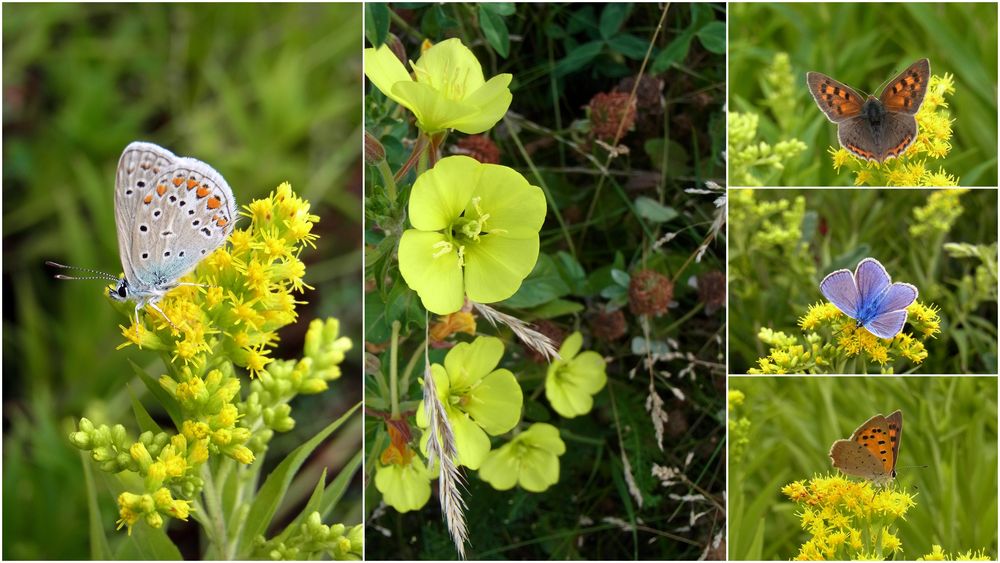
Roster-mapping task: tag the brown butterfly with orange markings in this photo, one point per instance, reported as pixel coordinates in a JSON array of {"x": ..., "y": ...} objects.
[
  {"x": 873, "y": 449},
  {"x": 873, "y": 128}
]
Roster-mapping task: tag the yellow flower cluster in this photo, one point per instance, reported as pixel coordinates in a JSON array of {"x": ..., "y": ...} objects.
[
  {"x": 739, "y": 427},
  {"x": 933, "y": 142},
  {"x": 847, "y": 520},
  {"x": 943, "y": 208},
  {"x": 938, "y": 554},
  {"x": 815, "y": 355},
  {"x": 246, "y": 293}
]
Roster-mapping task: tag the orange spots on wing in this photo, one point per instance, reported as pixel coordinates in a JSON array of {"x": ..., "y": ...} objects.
[
  {"x": 222, "y": 222},
  {"x": 202, "y": 191},
  {"x": 192, "y": 183},
  {"x": 161, "y": 189},
  {"x": 148, "y": 199},
  {"x": 214, "y": 203},
  {"x": 861, "y": 152},
  {"x": 178, "y": 181}
]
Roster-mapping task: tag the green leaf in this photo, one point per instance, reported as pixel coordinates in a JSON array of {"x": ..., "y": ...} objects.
[
  {"x": 542, "y": 285},
  {"x": 572, "y": 272},
  {"x": 499, "y": 8},
  {"x": 578, "y": 58},
  {"x": 495, "y": 31},
  {"x": 162, "y": 396},
  {"x": 99, "y": 548},
  {"x": 653, "y": 210},
  {"x": 376, "y": 23},
  {"x": 146, "y": 422},
  {"x": 612, "y": 18},
  {"x": 713, "y": 37},
  {"x": 554, "y": 308},
  {"x": 675, "y": 52},
  {"x": 629, "y": 46},
  {"x": 312, "y": 505},
  {"x": 621, "y": 277},
  {"x": 335, "y": 490},
  {"x": 271, "y": 494}
]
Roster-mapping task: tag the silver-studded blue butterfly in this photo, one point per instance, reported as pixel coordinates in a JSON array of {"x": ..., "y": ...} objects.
[
  {"x": 170, "y": 212},
  {"x": 868, "y": 296}
]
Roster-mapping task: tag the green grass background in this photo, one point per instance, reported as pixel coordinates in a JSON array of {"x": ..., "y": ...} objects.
[
  {"x": 263, "y": 93},
  {"x": 863, "y": 223},
  {"x": 863, "y": 45},
  {"x": 949, "y": 424}
]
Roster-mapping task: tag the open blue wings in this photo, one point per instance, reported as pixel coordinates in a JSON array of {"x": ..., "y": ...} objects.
[{"x": 869, "y": 296}]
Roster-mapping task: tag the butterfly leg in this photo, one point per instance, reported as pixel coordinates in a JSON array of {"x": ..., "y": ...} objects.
[
  {"x": 162, "y": 314},
  {"x": 137, "y": 338}
]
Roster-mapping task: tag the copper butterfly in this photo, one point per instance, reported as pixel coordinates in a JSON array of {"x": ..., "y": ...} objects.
[
  {"x": 873, "y": 128},
  {"x": 873, "y": 449}
]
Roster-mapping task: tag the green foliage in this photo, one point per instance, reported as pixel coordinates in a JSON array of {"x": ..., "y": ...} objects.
[
  {"x": 224, "y": 83},
  {"x": 784, "y": 242},
  {"x": 852, "y": 42},
  {"x": 649, "y": 206},
  {"x": 950, "y": 424}
]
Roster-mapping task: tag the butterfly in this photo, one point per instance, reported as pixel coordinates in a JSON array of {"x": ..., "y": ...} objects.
[
  {"x": 170, "y": 213},
  {"x": 873, "y": 128},
  {"x": 872, "y": 451},
  {"x": 869, "y": 297}
]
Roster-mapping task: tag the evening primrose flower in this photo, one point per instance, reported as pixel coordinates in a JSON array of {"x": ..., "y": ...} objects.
[
  {"x": 574, "y": 378},
  {"x": 447, "y": 90},
  {"x": 479, "y": 401},
  {"x": 475, "y": 232},
  {"x": 401, "y": 476},
  {"x": 530, "y": 460}
]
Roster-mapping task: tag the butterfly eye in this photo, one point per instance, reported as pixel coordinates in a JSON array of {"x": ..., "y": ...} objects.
[{"x": 122, "y": 291}]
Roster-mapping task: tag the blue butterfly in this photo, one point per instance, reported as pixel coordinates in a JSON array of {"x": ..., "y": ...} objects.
[{"x": 869, "y": 297}]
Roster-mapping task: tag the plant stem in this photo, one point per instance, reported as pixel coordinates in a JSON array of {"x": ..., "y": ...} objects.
[
  {"x": 393, "y": 370},
  {"x": 410, "y": 365},
  {"x": 390, "y": 182},
  {"x": 213, "y": 502}
]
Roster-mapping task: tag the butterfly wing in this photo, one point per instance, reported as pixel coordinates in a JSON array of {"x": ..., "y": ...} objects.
[
  {"x": 189, "y": 212},
  {"x": 837, "y": 100},
  {"x": 138, "y": 168},
  {"x": 895, "y": 421},
  {"x": 899, "y": 133},
  {"x": 872, "y": 280},
  {"x": 851, "y": 458},
  {"x": 878, "y": 435},
  {"x": 887, "y": 325},
  {"x": 855, "y": 135},
  {"x": 905, "y": 92},
  {"x": 839, "y": 288}
]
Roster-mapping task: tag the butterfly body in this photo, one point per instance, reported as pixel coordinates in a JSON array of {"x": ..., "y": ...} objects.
[
  {"x": 872, "y": 451},
  {"x": 874, "y": 128},
  {"x": 869, "y": 296}
]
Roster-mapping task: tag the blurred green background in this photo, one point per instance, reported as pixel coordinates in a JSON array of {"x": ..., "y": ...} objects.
[
  {"x": 263, "y": 93},
  {"x": 950, "y": 424},
  {"x": 779, "y": 252},
  {"x": 863, "y": 45}
]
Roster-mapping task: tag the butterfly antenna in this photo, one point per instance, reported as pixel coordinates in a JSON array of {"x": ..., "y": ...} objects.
[{"x": 99, "y": 274}]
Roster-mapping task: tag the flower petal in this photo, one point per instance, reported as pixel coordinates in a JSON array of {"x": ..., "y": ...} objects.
[
  {"x": 500, "y": 468},
  {"x": 496, "y": 265},
  {"x": 451, "y": 68},
  {"x": 567, "y": 399},
  {"x": 437, "y": 279},
  {"x": 440, "y": 195},
  {"x": 406, "y": 487},
  {"x": 385, "y": 70},
  {"x": 539, "y": 470},
  {"x": 433, "y": 111},
  {"x": 544, "y": 436},
  {"x": 471, "y": 442},
  {"x": 570, "y": 347},
  {"x": 587, "y": 371},
  {"x": 468, "y": 363},
  {"x": 491, "y": 102},
  {"x": 495, "y": 404},
  {"x": 515, "y": 207}
]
